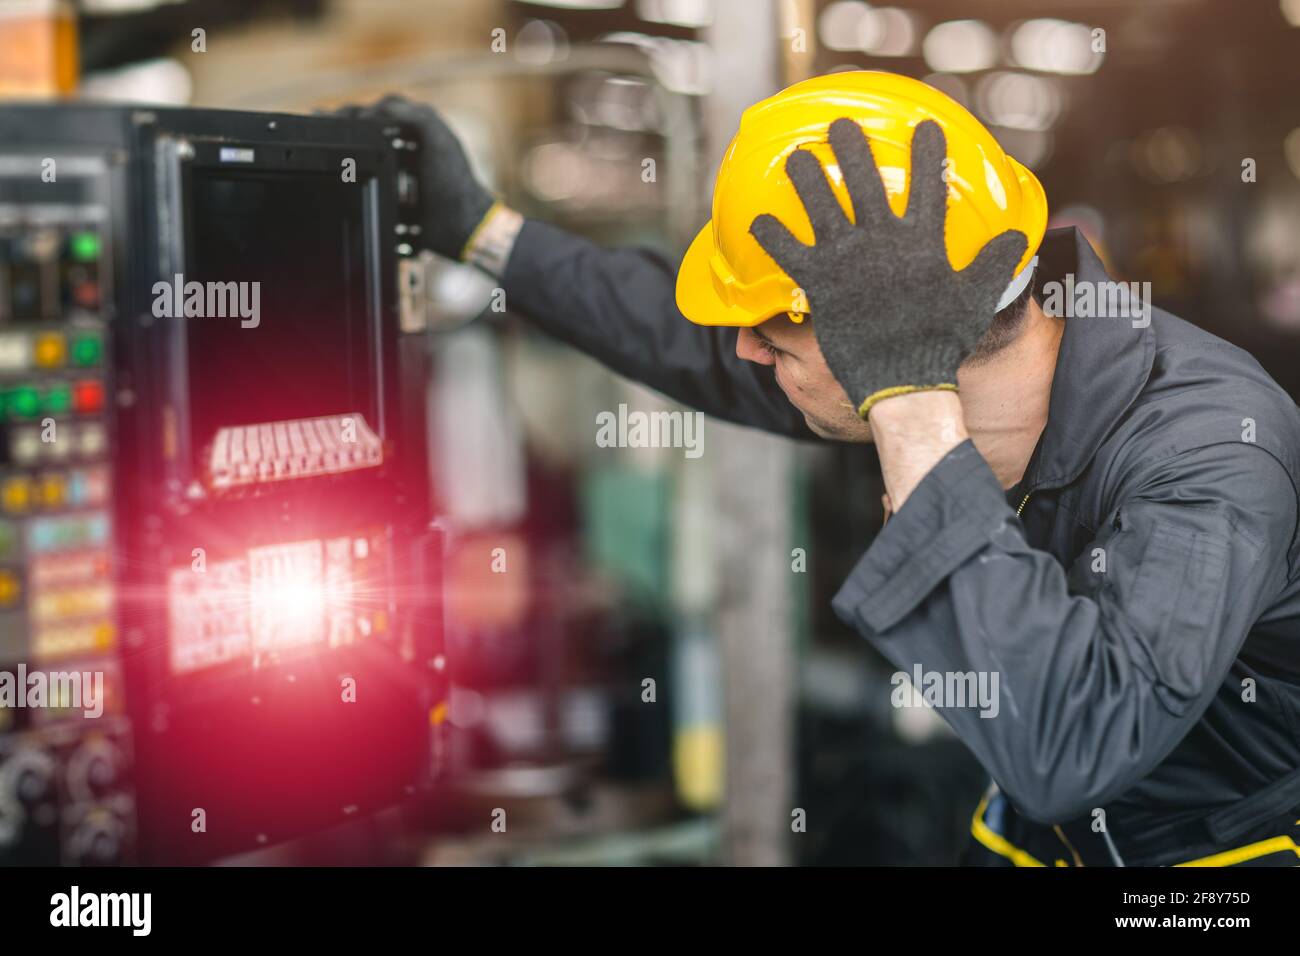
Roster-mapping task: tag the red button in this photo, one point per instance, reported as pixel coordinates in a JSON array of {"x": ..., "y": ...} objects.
[
  {"x": 88, "y": 396},
  {"x": 86, "y": 294}
]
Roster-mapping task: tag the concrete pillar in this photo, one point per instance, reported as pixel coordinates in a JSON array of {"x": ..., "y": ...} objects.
[{"x": 751, "y": 475}]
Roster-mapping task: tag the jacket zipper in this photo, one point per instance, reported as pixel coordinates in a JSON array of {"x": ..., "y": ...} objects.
[{"x": 1022, "y": 505}]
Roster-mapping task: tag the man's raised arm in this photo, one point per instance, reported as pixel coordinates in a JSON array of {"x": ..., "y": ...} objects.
[{"x": 617, "y": 305}]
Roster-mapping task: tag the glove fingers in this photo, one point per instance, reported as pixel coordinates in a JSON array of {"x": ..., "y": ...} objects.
[
  {"x": 824, "y": 211},
  {"x": 780, "y": 243},
  {"x": 927, "y": 200},
  {"x": 995, "y": 265},
  {"x": 861, "y": 175}
]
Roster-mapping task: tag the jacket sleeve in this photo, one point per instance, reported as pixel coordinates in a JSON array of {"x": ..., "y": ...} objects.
[
  {"x": 619, "y": 306},
  {"x": 1101, "y": 669}
]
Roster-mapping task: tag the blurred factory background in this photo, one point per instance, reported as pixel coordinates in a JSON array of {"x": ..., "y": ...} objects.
[{"x": 657, "y": 676}]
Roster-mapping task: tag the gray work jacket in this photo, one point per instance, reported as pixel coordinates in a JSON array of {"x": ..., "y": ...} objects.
[{"x": 1142, "y": 613}]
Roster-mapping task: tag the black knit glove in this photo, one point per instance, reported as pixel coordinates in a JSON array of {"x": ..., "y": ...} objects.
[
  {"x": 890, "y": 314},
  {"x": 452, "y": 201}
]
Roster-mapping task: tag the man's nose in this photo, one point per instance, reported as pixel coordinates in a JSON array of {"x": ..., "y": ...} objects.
[{"x": 749, "y": 348}]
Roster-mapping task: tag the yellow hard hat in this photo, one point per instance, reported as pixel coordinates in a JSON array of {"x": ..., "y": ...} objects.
[{"x": 727, "y": 279}]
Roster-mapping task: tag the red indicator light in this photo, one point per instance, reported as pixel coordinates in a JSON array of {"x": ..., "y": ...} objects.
[{"x": 88, "y": 396}]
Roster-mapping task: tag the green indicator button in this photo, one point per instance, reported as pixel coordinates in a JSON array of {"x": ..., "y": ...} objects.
[
  {"x": 22, "y": 402},
  {"x": 58, "y": 399},
  {"x": 87, "y": 350},
  {"x": 84, "y": 246}
]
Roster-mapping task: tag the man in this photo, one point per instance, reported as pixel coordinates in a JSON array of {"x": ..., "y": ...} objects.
[{"x": 1100, "y": 511}]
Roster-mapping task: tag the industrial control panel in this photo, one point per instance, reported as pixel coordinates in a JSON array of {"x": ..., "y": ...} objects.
[
  {"x": 218, "y": 588},
  {"x": 64, "y": 791}
]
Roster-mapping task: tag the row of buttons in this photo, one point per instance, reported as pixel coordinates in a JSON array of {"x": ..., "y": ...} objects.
[
  {"x": 67, "y": 532},
  {"x": 53, "y": 537},
  {"x": 73, "y": 640},
  {"x": 49, "y": 277},
  {"x": 53, "y": 490},
  {"x": 24, "y": 350},
  {"x": 79, "y": 440},
  {"x": 56, "y": 607},
  {"x": 51, "y": 243},
  {"x": 64, "y": 604},
  {"x": 85, "y": 397}
]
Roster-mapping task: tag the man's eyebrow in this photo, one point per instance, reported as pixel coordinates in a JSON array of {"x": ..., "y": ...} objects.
[{"x": 758, "y": 330}]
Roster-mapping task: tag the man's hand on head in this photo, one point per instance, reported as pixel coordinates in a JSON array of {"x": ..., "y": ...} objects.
[
  {"x": 893, "y": 319},
  {"x": 890, "y": 313}
]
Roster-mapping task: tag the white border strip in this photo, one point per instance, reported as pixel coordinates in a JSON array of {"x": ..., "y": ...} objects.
[{"x": 1017, "y": 285}]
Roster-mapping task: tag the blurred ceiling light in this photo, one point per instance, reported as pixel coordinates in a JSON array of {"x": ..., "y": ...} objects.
[
  {"x": 110, "y": 7},
  {"x": 960, "y": 46},
  {"x": 1054, "y": 46},
  {"x": 680, "y": 13},
  {"x": 1169, "y": 154},
  {"x": 539, "y": 42},
  {"x": 578, "y": 4},
  {"x": 1031, "y": 147},
  {"x": 1088, "y": 219},
  {"x": 1291, "y": 10},
  {"x": 621, "y": 102},
  {"x": 853, "y": 26},
  {"x": 164, "y": 81},
  {"x": 889, "y": 32},
  {"x": 682, "y": 66},
  {"x": 1291, "y": 147},
  {"x": 555, "y": 171},
  {"x": 1272, "y": 251},
  {"x": 581, "y": 169},
  {"x": 466, "y": 708},
  {"x": 611, "y": 146},
  {"x": 840, "y": 26},
  {"x": 951, "y": 84},
  {"x": 626, "y": 103},
  {"x": 1018, "y": 101},
  {"x": 1281, "y": 304}
]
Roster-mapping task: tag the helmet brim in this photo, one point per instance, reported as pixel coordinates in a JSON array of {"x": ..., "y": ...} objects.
[{"x": 697, "y": 297}]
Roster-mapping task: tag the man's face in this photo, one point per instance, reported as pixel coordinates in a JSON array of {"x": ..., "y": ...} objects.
[{"x": 792, "y": 351}]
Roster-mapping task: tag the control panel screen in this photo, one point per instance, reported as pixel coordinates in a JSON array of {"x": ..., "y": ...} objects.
[{"x": 280, "y": 327}]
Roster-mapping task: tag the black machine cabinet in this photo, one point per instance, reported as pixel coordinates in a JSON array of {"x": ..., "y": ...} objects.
[{"x": 210, "y": 492}]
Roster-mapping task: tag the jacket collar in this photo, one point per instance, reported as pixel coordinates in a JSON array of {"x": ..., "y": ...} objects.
[{"x": 1102, "y": 367}]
